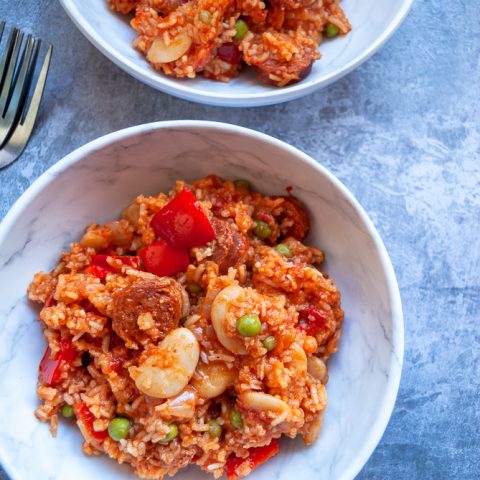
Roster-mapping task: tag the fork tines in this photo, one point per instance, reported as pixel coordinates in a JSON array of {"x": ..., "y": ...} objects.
[{"x": 17, "y": 71}]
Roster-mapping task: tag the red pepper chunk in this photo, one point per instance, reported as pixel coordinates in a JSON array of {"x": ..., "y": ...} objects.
[
  {"x": 100, "y": 267},
  {"x": 86, "y": 417},
  {"x": 97, "y": 271},
  {"x": 162, "y": 259},
  {"x": 183, "y": 223},
  {"x": 50, "y": 301},
  {"x": 116, "y": 364},
  {"x": 50, "y": 368},
  {"x": 311, "y": 320},
  {"x": 101, "y": 260},
  {"x": 256, "y": 456}
]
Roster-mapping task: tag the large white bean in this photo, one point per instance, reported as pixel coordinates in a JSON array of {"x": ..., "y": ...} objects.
[
  {"x": 312, "y": 430},
  {"x": 182, "y": 406},
  {"x": 169, "y": 367},
  {"x": 317, "y": 369},
  {"x": 160, "y": 52},
  {"x": 120, "y": 232},
  {"x": 212, "y": 379},
  {"x": 94, "y": 239},
  {"x": 219, "y": 321},
  {"x": 263, "y": 402}
]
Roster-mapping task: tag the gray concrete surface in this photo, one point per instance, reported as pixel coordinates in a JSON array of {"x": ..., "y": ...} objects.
[{"x": 403, "y": 133}]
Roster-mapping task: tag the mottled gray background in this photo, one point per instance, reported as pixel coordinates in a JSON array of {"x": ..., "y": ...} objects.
[{"x": 403, "y": 133}]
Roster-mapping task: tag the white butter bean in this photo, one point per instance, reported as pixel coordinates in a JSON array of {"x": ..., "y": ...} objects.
[
  {"x": 311, "y": 431},
  {"x": 317, "y": 369},
  {"x": 182, "y": 406},
  {"x": 263, "y": 402},
  {"x": 169, "y": 367},
  {"x": 160, "y": 52},
  {"x": 219, "y": 321},
  {"x": 212, "y": 379}
]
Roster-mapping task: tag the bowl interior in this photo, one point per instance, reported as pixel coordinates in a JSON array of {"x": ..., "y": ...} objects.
[
  {"x": 93, "y": 185},
  {"x": 372, "y": 22}
]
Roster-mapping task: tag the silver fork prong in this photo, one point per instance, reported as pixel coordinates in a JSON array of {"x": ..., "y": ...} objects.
[
  {"x": 6, "y": 53},
  {"x": 30, "y": 116},
  {"x": 24, "y": 76},
  {"x": 20, "y": 88},
  {"x": 17, "y": 142},
  {"x": 4, "y": 62},
  {"x": 7, "y": 67}
]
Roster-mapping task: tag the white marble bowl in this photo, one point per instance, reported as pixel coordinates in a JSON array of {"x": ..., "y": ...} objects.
[
  {"x": 373, "y": 22},
  {"x": 93, "y": 184}
]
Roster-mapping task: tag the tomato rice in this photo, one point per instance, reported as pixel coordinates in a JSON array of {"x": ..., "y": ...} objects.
[{"x": 108, "y": 321}]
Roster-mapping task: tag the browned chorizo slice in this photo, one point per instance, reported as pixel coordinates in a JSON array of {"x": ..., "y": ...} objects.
[
  {"x": 147, "y": 310},
  {"x": 280, "y": 58},
  {"x": 231, "y": 247}
]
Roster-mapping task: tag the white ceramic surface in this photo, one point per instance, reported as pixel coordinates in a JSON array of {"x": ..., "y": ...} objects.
[
  {"x": 373, "y": 22},
  {"x": 93, "y": 184}
]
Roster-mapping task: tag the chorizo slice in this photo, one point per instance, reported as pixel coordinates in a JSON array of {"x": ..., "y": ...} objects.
[
  {"x": 231, "y": 246},
  {"x": 147, "y": 310}
]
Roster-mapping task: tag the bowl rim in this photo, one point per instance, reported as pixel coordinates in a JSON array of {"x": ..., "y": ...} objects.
[
  {"x": 173, "y": 87},
  {"x": 395, "y": 367}
]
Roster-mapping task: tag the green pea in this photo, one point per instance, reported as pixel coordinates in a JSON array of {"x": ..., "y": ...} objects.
[
  {"x": 67, "y": 411},
  {"x": 206, "y": 17},
  {"x": 194, "y": 288},
  {"x": 269, "y": 343},
  {"x": 249, "y": 325},
  {"x": 118, "y": 428},
  {"x": 236, "y": 419},
  {"x": 284, "y": 250},
  {"x": 241, "y": 183},
  {"x": 262, "y": 230},
  {"x": 172, "y": 433},
  {"x": 242, "y": 29},
  {"x": 215, "y": 429},
  {"x": 331, "y": 30}
]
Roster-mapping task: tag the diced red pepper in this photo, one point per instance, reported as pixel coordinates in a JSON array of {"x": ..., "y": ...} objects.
[
  {"x": 50, "y": 368},
  {"x": 183, "y": 223},
  {"x": 237, "y": 467},
  {"x": 50, "y": 302},
  {"x": 311, "y": 320},
  {"x": 101, "y": 260},
  {"x": 97, "y": 271},
  {"x": 87, "y": 418},
  {"x": 116, "y": 364},
  {"x": 162, "y": 259},
  {"x": 100, "y": 267},
  {"x": 230, "y": 53}
]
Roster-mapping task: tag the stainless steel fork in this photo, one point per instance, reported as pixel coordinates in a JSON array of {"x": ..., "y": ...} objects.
[{"x": 18, "y": 109}]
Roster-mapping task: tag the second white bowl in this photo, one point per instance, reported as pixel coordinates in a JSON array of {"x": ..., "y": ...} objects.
[
  {"x": 93, "y": 184},
  {"x": 373, "y": 22}
]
